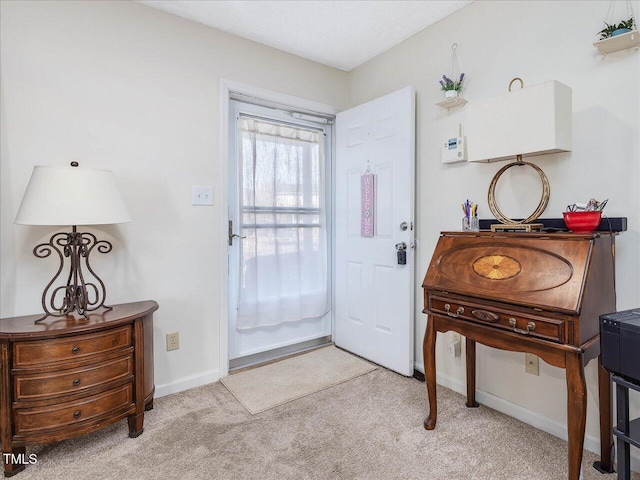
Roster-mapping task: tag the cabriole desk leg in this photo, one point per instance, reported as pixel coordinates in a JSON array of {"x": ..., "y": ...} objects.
[
  {"x": 429, "y": 355},
  {"x": 470, "y": 354},
  {"x": 576, "y": 411}
]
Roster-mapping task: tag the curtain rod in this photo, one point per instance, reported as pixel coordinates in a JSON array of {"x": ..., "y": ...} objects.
[
  {"x": 282, "y": 122},
  {"x": 301, "y": 113}
]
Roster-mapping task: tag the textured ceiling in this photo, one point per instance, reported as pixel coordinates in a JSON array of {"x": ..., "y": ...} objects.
[{"x": 341, "y": 34}]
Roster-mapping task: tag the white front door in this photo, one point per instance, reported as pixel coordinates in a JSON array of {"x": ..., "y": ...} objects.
[{"x": 374, "y": 295}]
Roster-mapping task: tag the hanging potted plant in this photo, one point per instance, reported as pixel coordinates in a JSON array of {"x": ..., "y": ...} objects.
[
  {"x": 615, "y": 37},
  {"x": 451, "y": 84},
  {"x": 451, "y": 87},
  {"x": 616, "y": 29}
]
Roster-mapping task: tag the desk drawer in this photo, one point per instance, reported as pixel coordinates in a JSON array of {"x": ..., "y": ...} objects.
[
  {"x": 48, "y": 385},
  {"x": 39, "y": 420},
  {"x": 43, "y": 352},
  {"x": 521, "y": 323}
]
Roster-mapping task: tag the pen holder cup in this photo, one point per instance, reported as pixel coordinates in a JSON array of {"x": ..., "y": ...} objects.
[{"x": 470, "y": 224}]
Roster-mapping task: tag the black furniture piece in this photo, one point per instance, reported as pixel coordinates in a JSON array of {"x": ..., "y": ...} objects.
[
  {"x": 627, "y": 431},
  {"x": 620, "y": 345},
  {"x": 608, "y": 224}
]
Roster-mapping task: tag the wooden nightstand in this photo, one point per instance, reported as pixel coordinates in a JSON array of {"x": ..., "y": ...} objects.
[{"x": 68, "y": 376}]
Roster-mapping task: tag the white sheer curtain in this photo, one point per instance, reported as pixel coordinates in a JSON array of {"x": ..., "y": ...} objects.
[{"x": 283, "y": 260}]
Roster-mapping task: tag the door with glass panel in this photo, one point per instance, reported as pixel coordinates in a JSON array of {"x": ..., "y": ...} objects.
[{"x": 279, "y": 247}]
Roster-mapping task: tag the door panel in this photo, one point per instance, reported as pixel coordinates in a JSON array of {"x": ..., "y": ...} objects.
[
  {"x": 374, "y": 295},
  {"x": 245, "y": 343},
  {"x": 354, "y": 291},
  {"x": 384, "y": 200}
]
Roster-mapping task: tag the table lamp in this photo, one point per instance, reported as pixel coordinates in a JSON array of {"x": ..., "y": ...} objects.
[
  {"x": 527, "y": 122},
  {"x": 72, "y": 196}
]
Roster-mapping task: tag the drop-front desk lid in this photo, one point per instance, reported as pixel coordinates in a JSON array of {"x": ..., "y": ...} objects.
[{"x": 539, "y": 270}]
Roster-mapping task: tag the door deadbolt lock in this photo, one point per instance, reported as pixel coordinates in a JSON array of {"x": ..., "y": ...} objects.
[{"x": 401, "y": 250}]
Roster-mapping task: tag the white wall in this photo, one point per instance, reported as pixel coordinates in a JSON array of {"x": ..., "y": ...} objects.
[
  {"x": 537, "y": 41},
  {"x": 122, "y": 86}
]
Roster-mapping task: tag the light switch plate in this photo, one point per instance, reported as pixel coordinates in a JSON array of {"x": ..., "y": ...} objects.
[{"x": 201, "y": 195}]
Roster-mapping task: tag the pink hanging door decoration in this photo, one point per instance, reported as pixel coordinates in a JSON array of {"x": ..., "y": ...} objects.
[{"x": 367, "y": 190}]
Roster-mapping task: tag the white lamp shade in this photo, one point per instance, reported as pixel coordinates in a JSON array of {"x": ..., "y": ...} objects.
[
  {"x": 72, "y": 196},
  {"x": 531, "y": 121}
]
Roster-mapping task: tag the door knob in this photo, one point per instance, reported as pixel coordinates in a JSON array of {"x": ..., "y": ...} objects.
[
  {"x": 233, "y": 235},
  {"x": 404, "y": 226}
]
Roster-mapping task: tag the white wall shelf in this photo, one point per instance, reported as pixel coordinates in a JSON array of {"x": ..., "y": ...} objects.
[
  {"x": 451, "y": 102},
  {"x": 619, "y": 42}
]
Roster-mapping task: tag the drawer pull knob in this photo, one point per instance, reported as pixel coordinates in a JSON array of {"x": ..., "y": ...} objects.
[
  {"x": 76, "y": 414},
  {"x": 76, "y": 382},
  {"x": 75, "y": 349},
  {"x": 485, "y": 316},
  {"x": 530, "y": 327},
  {"x": 459, "y": 311}
]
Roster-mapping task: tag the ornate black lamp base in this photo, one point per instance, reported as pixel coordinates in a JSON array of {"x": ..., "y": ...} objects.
[{"x": 80, "y": 294}]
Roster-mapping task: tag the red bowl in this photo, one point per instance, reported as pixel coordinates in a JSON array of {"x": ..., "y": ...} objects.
[{"x": 582, "y": 222}]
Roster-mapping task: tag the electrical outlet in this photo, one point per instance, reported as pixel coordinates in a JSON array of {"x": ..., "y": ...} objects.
[
  {"x": 531, "y": 364},
  {"x": 454, "y": 349},
  {"x": 173, "y": 341}
]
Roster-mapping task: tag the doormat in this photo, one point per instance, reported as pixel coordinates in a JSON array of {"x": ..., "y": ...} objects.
[{"x": 266, "y": 387}]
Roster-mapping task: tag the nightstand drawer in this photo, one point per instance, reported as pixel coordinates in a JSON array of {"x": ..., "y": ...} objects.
[
  {"x": 40, "y": 420},
  {"x": 522, "y": 323},
  {"x": 39, "y": 353},
  {"x": 37, "y": 387}
]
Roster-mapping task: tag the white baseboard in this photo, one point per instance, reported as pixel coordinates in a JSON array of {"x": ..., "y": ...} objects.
[
  {"x": 546, "y": 424},
  {"x": 186, "y": 383}
]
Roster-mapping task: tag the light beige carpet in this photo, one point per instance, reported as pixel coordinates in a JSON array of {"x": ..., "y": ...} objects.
[
  {"x": 269, "y": 386},
  {"x": 369, "y": 428}
]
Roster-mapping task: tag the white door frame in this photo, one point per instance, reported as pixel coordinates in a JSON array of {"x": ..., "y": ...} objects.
[{"x": 227, "y": 87}]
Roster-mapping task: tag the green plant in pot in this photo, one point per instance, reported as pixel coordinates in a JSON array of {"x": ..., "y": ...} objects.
[
  {"x": 451, "y": 87},
  {"x": 617, "y": 29}
]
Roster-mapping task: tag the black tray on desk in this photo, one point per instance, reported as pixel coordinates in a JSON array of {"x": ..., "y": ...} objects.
[{"x": 608, "y": 224}]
